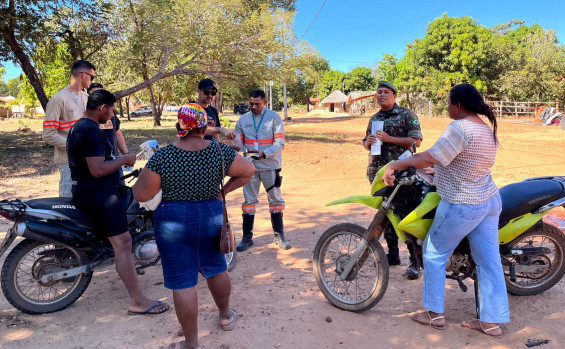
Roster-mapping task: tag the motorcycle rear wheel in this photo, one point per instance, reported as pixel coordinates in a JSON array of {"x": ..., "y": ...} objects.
[
  {"x": 528, "y": 284},
  {"x": 28, "y": 262},
  {"x": 366, "y": 285}
]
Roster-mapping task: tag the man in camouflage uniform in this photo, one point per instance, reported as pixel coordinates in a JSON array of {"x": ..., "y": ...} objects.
[{"x": 401, "y": 130}]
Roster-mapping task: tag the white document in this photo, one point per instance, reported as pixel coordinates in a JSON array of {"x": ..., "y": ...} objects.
[{"x": 376, "y": 126}]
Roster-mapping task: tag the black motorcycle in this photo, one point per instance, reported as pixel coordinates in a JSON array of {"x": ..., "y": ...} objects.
[{"x": 52, "y": 266}]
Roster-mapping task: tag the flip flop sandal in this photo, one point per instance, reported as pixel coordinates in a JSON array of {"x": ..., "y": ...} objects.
[
  {"x": 431, "y": 320},
  {"x": 485, "y": 330},
  {"x": 231, "y": 325},
  {"x": 149, "y": 312}
]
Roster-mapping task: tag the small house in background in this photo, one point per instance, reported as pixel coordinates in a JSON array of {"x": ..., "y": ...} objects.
[
  {"x": 4, "y": 105},
  {"x": 313, "y": 103},
  {"x": 360, "y": 101},
  {"x": 335, "y": 102}
]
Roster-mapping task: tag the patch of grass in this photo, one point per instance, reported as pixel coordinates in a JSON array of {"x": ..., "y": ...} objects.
[{"x": 316, "y": 137}]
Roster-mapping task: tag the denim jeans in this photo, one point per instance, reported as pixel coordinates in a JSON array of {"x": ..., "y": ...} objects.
[
  {"x": 479, "y": 223},
  {"x": 188, "y": 237}
]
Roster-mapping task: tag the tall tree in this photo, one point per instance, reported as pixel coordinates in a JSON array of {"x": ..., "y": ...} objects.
[
  {"x": 26, "y": 23},
  {"x": 359, "y": 79},
  {"x": 387, "y": 68},
  {"x": 453, "y": 51},
  {"x": 333, "y": 80},
  {"x": 218, "y": 38}
]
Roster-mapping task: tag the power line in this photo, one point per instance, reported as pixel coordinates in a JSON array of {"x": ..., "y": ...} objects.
[{"x": 321, "y": 7}]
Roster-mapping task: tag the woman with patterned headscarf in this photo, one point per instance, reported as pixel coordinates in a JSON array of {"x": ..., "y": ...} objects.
[{"x": 189, "y": 218}]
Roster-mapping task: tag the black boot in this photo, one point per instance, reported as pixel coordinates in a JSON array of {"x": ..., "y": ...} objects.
[
  {"x": 247, "y": 240},
  {"x": 278, "y": 228},
  {"x": 391, "y": 238},
  {"x": 413, "y": 270}
]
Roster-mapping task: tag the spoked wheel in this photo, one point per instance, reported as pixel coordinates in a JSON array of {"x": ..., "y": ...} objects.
[
  {"x": 24, "y": 268},
  {"x": 366, "y": 284},
  {"x": 550, "y": 259}
]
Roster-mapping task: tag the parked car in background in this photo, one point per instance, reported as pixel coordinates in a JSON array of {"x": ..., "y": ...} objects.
[
  {"x": 172, "y": 108},
  {"x": 144, "y": 111},
  {"x": 241, "y": 108}
]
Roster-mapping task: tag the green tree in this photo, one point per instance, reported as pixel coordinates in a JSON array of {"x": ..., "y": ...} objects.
[
  {"x": 387, "y": 68},
  {"x": 52, "y": 61},
  {"x": 359, "y": 79},
  {"x": 24, "y": 24},
  {"x": 13, "y": 87},
  {"x": 532, "y": 70},
  {"x": 453, "y": 51},
  {"x": 3, "y": 86},
  {"x": 333, "y": 80},
  {"x": 218, "y": 38}
]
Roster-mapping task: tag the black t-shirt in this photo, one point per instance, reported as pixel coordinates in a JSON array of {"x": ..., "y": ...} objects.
[
  {"x": 86, "y": 139},
  {"x": 110, "y": 128},
  {"x": 213, "y": 119}
]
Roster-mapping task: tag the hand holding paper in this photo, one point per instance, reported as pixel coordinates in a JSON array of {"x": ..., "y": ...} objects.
[{"x": 376, "y": 147}]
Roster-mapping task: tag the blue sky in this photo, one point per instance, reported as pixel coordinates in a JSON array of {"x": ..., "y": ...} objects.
[
  {"x": 357, "y": 33},
  {"x": 354, "y": 33}
]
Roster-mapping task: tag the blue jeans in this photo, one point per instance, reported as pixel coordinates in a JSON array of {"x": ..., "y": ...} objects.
[
  {"x": 479, "y": 223},
  {"x": 188, "y": 237}
]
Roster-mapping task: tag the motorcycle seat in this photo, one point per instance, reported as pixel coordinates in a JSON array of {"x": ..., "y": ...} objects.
[
  {"x": 65, "y": 206},
  {"x": 523, "y": 197}
]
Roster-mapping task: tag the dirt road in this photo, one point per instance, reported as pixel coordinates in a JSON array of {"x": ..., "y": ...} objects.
[{"x": 274, "y": 291}]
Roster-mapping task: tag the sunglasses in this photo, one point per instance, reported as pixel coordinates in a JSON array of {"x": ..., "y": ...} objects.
[
  {"x": 210, "y": 92},
  {"x": 92, "y": 77}
]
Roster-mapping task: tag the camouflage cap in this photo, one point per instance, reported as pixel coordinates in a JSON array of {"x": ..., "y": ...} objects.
[{"x": 389, "y": 85}]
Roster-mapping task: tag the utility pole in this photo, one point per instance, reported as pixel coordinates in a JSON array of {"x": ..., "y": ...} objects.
[
  {"x": 271, "y": 94},
  {"x": 284, "y": 76}
]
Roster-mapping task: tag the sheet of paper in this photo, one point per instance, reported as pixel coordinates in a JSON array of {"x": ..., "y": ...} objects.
[{"x": 376, "y": 126}]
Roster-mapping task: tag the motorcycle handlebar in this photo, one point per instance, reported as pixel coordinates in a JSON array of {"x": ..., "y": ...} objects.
[{"x": 403, "y": 174}]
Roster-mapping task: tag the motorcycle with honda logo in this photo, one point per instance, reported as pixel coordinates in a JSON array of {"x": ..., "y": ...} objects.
[
  {"x": 52, "y": 266},
  {"x": 351, "y": 268}
]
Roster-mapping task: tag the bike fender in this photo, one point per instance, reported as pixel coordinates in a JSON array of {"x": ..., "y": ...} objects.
[
  {"x": 395, "y": 220},
  {"x": 518, "y": 225},
  {"x": 369, "y": 200},
  {"x": 415, "y": 223}
]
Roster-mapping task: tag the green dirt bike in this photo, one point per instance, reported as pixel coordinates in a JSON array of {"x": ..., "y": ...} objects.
[{"x": 351, "y": 268}]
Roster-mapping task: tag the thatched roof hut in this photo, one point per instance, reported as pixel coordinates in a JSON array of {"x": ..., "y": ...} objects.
[{"x": 335, "y": 101}]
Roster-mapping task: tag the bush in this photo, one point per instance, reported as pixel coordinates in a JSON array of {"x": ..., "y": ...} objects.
[
  {"x": 225, "y": 122},
  {"x": 296, "y": 108}
]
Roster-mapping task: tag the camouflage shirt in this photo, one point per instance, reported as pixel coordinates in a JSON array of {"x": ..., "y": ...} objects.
[{"x": 398, "y": 122}]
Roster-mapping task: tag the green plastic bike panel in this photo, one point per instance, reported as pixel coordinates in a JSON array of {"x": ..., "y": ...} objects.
[
  {"x": 517, "y": 226},
  {"x": 414, "y": 223},
  {"x": 378, "y": 183},
  {"x": 371, "y": 201},
  {"x": 394, "y": 220}
]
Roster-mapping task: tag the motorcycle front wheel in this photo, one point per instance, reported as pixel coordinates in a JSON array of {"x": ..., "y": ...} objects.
[
  {"x": 25, "y": 266},
  {"x": 531, "y": 283},
  {"x": 367, "y": 282}
]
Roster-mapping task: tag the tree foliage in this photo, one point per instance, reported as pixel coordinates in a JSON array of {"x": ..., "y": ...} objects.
[
  {"x": 25, "y": 24},
  {"x": 509, "y": 60},
  {"x": 359, "y": 79},
  {"x": 333, "y": 80}
]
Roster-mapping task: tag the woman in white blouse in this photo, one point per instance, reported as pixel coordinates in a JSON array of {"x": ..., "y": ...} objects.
[{"x": 470, "y": 206}]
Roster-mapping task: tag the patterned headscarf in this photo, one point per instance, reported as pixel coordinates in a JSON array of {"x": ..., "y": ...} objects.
[{"x": 191, "y": 116}]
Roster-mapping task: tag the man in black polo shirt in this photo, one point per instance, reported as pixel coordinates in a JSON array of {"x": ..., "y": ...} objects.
[
  {"x": 206, "y": 93},
  {"x": 96, "y": 190}
]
